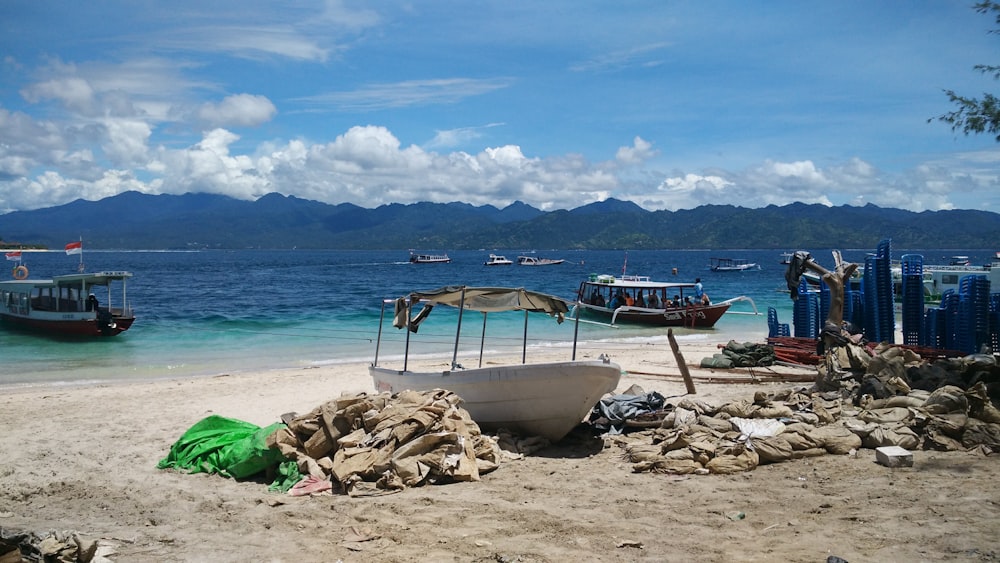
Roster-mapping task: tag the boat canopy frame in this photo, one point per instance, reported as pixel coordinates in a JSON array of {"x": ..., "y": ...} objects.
[{"x": 482, "y": 299}]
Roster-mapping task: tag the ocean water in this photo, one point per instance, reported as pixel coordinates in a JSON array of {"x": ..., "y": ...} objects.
[{"x": 213, "y": 312}]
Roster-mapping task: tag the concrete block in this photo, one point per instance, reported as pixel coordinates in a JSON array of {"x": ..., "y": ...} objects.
[{"x": 894, "y": 456}]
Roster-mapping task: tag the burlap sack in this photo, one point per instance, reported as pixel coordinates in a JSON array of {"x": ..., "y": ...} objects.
[
  {"x": 772, "y": 450},
  {"x": 733, "y": 460}
]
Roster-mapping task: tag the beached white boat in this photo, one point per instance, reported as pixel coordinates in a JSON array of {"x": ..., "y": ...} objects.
[
  {"x": 497, "y": 260},
  {"x": 542, "y": 399},
  {"x": 68, "y": 305},
  {"x": 534, "y": 261},
  {"x": 429, "y": 258},
  {"x": 731, "y": 265}
]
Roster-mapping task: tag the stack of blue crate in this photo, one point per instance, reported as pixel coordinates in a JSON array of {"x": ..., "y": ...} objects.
[
  {"x": 885, "y": 296},
  {"x": 974, "y": 313},
  {"x": 854, "y": 307},
  {"x": 805, "y": 312},
  {"x": 912, "y": 293},
  {"x": 933, "y": 334},
  {"x": 948, "y": 314},
  {"x": 995, "y": 322}
]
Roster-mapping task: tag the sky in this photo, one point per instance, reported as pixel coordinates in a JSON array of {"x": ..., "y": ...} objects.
[{"x": 557, "y": 104}]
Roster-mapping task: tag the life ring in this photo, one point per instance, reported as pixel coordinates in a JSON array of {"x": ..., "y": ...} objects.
[{"x": 20, "y": 272}]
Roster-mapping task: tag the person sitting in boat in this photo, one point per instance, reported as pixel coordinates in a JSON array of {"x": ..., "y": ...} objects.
[
  {"x": 699, "y": 293},
  {"x": 616, "y": 301},
  {"x": 594, "y": 296},
  {"x": 653, "y": 302},
  {"x": 687, "y": 301},
  {"x": 640, "y": 301},
  {"x": 629, "y": 300},
  {"x": 676, "y": 301},
  {"x": 599, "y": 300},
  {"x": 92, "y": 304}
]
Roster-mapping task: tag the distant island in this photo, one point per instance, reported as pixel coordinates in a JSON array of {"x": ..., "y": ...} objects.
[
  {"x": 7, "y": 246},
  {"x": 133, "y": 220}
]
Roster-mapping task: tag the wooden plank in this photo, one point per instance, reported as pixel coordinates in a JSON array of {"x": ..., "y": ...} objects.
[{"x": 688, "y": 383}]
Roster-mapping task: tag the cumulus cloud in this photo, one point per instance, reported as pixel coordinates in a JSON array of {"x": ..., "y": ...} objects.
[
  {"x": 640, "y": 151},
  {"x": 239, "y": 110},
  {"x": 75, "y": 93},
  {"x": 104, "y": 144}
]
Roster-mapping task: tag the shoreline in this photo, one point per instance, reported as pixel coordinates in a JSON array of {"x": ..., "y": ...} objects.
[{"x": 612, "y": 345}]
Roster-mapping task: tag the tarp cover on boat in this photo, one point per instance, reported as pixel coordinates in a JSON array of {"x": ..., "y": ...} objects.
[{"x": 483, "y": 299}]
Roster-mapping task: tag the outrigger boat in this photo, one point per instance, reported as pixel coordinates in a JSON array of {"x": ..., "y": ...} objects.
[
  {"x": 67, "y": 305},
  {"x": 605, "y": 296},
  {"x": 731, "y": 265},
  {"x": 533, "y": 261},
  {"x": 540, "y": 399}
]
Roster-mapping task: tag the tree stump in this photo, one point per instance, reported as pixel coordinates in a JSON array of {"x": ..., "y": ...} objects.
[{"x": 832, "y": 335}]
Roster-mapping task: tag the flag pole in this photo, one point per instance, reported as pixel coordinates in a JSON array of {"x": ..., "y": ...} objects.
[{"x": 80, "y": 268}]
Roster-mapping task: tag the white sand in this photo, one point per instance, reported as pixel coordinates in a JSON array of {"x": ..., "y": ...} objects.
[{"x": 84, "y": 458}]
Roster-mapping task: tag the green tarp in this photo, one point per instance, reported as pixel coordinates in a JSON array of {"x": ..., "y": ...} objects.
[{"x": 226, "y": 446}]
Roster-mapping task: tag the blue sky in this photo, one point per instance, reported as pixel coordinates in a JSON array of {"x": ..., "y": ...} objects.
[{"x": 670, "y": 104}]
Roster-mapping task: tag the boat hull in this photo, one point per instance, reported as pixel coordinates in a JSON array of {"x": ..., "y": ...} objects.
[
  {"x": 68, "y": 326},
  {"x": 545, "y": 399},
  {"x": 690, "y": 317},
  {"x": 532, "y": 261}
]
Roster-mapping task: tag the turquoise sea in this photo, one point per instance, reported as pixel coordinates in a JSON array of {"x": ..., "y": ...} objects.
[{"x": 212, "y": 312}]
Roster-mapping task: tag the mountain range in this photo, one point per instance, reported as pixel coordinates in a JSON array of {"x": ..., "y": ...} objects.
[{"x": 133, "y": 220}]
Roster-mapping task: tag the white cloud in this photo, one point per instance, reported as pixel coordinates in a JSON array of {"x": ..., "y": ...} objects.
[
  {"x": 239, "y": 110},
  {"x": 407, "y": 93},
  {"x": 454, "y": 137},
  {"x": 45, "y": 163},
  {"x": 75, "y": 93},
  {"x": 640, "y": 151}
]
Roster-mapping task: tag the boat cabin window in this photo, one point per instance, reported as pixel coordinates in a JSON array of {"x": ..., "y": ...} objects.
[
  {"x": 949, "y": 279},
  {"x": 15, "y": 302},
  {"x": 56, "y": 299}
]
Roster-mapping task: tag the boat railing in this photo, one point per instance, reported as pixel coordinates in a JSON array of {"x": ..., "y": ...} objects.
[{"x": 631, "y": 278}]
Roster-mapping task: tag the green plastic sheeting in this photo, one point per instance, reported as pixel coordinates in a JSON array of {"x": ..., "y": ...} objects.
[
  {"x": 226, "y": 446},
  {"x": 287, "y": 476}
]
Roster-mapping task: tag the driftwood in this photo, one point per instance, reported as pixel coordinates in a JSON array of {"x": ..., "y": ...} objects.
[
  {"x": 832, "y": 335},
  {"x": 681, "y": 364}
]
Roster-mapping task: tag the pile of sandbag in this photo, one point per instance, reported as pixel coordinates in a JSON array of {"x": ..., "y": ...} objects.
[
  {"x": 877, "y": 405},
  {"x": 738, "y": 436},
  {"x": 741, "y": 355},
  {"x": 368, "y": 444}
]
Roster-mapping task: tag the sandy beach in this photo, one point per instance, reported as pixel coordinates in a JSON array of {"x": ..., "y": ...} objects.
[{"x": 83, "y": 459}]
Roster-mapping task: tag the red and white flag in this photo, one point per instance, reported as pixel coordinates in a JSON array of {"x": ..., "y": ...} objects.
[
  {"x": 74, "y": 247},
  {"x": 16, "y": 255}
]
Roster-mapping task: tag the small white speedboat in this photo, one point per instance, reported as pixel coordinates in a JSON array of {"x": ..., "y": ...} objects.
[{"x": 497, "y": 260}]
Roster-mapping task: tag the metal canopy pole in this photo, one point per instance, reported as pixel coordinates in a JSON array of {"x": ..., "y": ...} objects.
[
  {"x": 378, "y": 340},
  {"x": 576, "y": 328},
  {"x": 406, "y": 351},
  {"x": 461, "y": 309},
  {"x": 482, "y": 340},
  {"x": 524, "y": 341}
]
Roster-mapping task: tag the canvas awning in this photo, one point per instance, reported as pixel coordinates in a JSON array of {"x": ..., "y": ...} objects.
[
  {"x": 493, "y": 299},
  {"x": 482, "y": 299}
]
